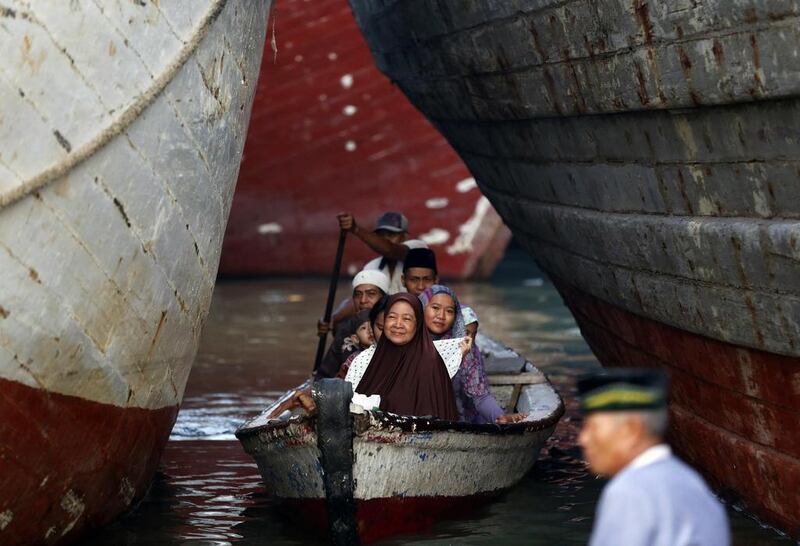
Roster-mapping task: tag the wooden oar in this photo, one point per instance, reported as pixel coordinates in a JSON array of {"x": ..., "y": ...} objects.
[{"x": 337, "y": 264}]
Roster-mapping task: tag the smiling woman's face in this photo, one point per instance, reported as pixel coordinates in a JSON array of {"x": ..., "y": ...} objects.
[
  {"x": 400, "y": 323},
  {"x": 440, "y": 313}
]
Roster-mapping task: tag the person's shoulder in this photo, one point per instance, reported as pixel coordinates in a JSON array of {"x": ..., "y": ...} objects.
[
  {"x": 373, "y": 264},
  {"x": 415, "y": 243},
  {"x": 680, "y": 476}
]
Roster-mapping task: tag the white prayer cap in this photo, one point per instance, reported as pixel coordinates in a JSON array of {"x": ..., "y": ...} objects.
[{"x": 372, "y": 276}]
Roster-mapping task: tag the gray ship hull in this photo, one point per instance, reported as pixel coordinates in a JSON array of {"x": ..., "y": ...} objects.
[{"x": 646, "y": 154}]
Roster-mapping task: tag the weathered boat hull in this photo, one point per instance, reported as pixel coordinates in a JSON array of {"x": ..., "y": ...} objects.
[
  {"x": 122, "y": 130},
  {"x": 334, "y": 134},
  {"x": 646, "y": 156},
  {"x": 409, "y": 472}
]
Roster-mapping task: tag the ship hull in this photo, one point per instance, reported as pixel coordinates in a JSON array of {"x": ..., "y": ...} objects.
[
  {"x": 647, "y": 158},
  {"x": 73, "y": 464},
  {"x": 335, "y": 135},
  {"x": 734, "y": 423},
  {"x": 117, "y": 167}
]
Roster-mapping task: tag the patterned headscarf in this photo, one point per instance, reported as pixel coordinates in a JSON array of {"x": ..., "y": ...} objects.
[
  {"x": 469, "y": 315},
  {"x": 458, "y": 329}
]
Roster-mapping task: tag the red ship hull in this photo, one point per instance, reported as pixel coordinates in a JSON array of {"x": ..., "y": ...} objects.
[
  {"x": 330, "y": 133},
  {"x": 73, "y": 464},
  {"x": 736, "y": 424}
]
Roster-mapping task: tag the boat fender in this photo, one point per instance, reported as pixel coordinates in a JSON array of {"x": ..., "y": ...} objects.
[{"x": 335, "y": 442}]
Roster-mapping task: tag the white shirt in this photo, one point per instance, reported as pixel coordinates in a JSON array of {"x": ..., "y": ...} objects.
[
  {"x": 650, "y": 455},
  {"x": 395, "y": 277},
  {"x": 448, "y": 349},
  {"x": 658, "y": 500}
]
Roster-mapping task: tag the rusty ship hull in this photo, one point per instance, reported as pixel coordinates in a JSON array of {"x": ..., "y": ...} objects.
[
  {"x": 330, "y": 133},
  {"x": 121, "y": 133},
  {"x": 646, "y": 154}
]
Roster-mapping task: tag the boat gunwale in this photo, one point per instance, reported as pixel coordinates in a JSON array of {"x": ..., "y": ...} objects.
[{"x": 387, "y": 421}]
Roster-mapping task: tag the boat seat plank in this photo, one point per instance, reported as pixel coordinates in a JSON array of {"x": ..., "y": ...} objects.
[{"x": 528, "y": 378}]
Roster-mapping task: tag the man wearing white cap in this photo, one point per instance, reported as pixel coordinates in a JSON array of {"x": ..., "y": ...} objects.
[{"x": 369, "y": 286}]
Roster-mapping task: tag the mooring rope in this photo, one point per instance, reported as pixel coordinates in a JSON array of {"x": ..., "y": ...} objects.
[{"x": 123, "y": 121}]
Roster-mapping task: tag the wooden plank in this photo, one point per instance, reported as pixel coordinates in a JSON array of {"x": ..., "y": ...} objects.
[
  {"x": 512, "y": 403},
  {"x": 529, "y": 378}
]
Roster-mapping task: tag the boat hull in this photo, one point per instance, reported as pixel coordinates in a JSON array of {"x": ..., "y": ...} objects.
[
  {"x": 647, "y": 159},
  {"x": 404, "y": 480},
  {"x": 117, "y": 167},
  {"x": 336, "y": 135},
  {"x": 409, "y": 472}
]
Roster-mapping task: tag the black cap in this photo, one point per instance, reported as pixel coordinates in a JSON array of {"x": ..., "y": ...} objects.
[
  {"x": 420, "y": 257},
  {"x": 628, "y": 389},
  {"x": 395, "y": 222}
]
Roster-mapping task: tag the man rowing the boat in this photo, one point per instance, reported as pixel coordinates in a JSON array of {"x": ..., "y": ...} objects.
[
  {"x": 389, "y": 239},
  {"x": 369, "y": 286},
  {"x": 653, "y": 498}
]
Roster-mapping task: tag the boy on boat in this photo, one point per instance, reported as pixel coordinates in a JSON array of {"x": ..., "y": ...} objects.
[
  {"x": 419, "y": 270},
  {"x": 653, "y": 498}
]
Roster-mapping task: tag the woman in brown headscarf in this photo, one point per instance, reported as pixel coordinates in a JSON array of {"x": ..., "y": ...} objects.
[{"x": 406, "y": 370}]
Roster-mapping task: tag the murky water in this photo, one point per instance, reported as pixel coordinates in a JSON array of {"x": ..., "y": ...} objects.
[{"x": 260, "y": 340}]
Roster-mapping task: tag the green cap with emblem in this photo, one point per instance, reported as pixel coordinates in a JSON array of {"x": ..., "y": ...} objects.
[{"x": 631, "y": 389}]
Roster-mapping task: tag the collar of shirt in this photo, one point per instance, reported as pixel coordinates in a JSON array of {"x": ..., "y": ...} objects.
[{"x": 651, "y": 455}]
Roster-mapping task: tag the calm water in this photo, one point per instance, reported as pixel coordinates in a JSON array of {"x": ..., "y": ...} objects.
[{"x": 260, "y": 340}]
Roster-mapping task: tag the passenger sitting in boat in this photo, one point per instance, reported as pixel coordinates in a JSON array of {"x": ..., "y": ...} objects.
[
  {"x": 368, "y": 288},
  {"x": 377, "y": 317},
  {"x": 389, "y": 239},
  {"x": 444, "y": 319},
  {"x": 419, "y": 270},
  {"x": 368, "y": 333},
  {"x": 407, "y": 369},
  {"x": 363, "y": 336}
]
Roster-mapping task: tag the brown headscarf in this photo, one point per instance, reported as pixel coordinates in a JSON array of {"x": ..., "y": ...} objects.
[{"x": 411, "y": 379}]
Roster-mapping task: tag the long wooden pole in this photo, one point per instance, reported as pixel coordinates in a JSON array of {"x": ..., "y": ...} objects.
[{"x": 337, "y": 265}]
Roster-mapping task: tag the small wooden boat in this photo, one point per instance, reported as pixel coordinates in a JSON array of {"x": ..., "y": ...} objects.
[{"x": 375, "y": 474}]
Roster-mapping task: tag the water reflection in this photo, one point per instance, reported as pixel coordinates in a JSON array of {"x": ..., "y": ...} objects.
[{"x": 260, "y": 340}]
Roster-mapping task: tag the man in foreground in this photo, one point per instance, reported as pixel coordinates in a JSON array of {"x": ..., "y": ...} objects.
[{"x": 653, "y": 498}]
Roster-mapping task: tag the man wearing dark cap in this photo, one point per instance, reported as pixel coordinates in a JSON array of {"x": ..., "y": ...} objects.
[
  {"x": 419, "y": 270},
  {"x": 389, "y": 239},
  {"x": 653, "y": 498}
]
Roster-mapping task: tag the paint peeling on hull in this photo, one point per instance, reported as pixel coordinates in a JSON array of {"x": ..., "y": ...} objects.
[
  {"x": 734, "y": 424},
  {"x": 74, "y": 464},
  {"x": 117, "y": 167}
]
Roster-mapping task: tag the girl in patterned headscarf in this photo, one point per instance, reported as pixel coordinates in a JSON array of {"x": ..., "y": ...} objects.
[{"x": 445, "y": 320}]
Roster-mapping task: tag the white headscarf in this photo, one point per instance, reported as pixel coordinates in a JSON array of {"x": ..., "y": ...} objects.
[{"x": 374, "y": 277}]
